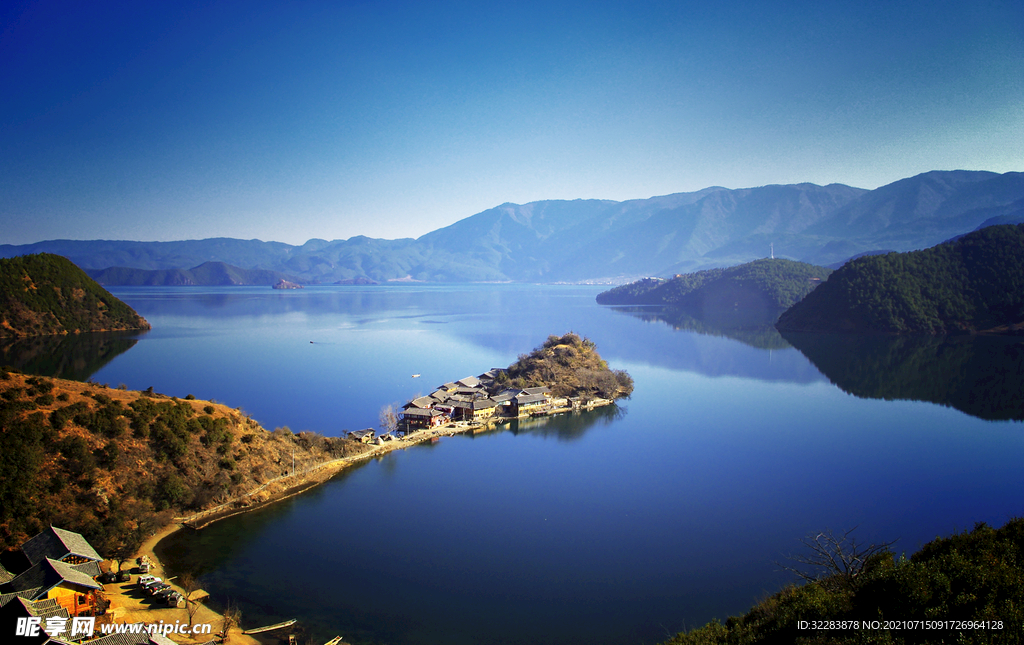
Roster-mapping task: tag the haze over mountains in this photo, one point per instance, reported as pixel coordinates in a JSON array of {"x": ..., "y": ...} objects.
[{"x": 598, "y": 240}]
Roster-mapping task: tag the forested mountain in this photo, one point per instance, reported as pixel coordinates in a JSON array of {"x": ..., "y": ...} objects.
[
  {"x": 47, "y": 294},
  {"x": 973, "y": 283},
  {"x": 768, "y": 284},
  {"x": 600, "y": 240}
]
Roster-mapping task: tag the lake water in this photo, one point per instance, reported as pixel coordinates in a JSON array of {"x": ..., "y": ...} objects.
[{"x": 624, "y": 525}]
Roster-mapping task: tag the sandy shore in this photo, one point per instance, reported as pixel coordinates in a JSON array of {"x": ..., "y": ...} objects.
[{"x": 128, "y": 604}]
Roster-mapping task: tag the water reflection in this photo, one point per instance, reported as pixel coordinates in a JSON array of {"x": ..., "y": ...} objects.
[
  {"x": 755, "y": 328},
  {"x": 71, "y": 356},
  {"x": 569, "y": 426},
  {"x": 982, "y": 376}
]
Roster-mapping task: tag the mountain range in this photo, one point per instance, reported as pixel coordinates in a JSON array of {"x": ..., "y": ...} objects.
[{"x": 599, "y": 240}]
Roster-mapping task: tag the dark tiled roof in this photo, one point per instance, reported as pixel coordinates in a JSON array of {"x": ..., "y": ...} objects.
[
  {"x": 469, "y": 381},
  {"x": 7, "y": 597},
  {"x": 528, "y": 399},
  {"x": 418, "y": 412},
  {"x": 57, "y": 544},
  {"x": 5, "y": 575},
  {"x": 42, "y": 608},
  {"x": 421, "y": 402},
  {"x": 504, "y": 396},
  {"x": 91, "y": 568},
  {"x": 476, "y": 404},
  {"x": 536, "y": 390},
  {"x": 46, "y": 575}
]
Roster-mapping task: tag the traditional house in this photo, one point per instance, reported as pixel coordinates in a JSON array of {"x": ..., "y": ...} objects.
[
  {"x": 60, "y": 581},
  {"x": 20, "y": 608},
  {"x": 474, "y": 410},
  {"x": 422, "y": 402},
  {"x": 424, "y": 418},
  {"x": 365, "y": 436},
  {"x": 63, "y": 546},
  {"x": 526, "y": 403},
  {"x": 545, "y": 390}
]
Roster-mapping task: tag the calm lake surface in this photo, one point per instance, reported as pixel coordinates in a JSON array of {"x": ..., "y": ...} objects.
[{"x": 624, "y": 525}]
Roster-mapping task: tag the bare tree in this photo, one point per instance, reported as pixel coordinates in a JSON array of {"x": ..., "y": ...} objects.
[
  {"x": 834, "y": 559},
  {"x": 190, "y": 585},
  {"x": 232, "y": 617},
  {"x": 389, "y": 418}
]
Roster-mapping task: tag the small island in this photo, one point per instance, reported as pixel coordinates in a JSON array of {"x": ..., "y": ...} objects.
[
  {"x": 285, "y": 284},
  {"x": 46, "y": 294}
]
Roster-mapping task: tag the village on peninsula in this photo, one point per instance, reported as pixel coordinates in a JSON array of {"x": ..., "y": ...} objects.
[{"x": 105, "y": 473}]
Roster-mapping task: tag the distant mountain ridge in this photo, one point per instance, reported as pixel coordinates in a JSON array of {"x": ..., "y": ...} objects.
[
  {"x": 608, "y": 241},
  {"x": 207, "y": 273}
]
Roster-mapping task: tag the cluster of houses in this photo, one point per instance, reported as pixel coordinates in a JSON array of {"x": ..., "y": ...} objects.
[
  {"x": 53, "y": 581},
  {"x": 474, "y": 399}
]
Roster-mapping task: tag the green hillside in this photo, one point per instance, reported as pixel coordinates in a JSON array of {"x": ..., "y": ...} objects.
[
  {"x": 761, "y": 284},
  {"x": 975, "y": 283},
  {"x": 46, "y": 294},
  {"x": 962, "y": 589}
]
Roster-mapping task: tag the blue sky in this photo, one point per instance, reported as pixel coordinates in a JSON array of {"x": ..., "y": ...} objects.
[{"x": 299, "y": 120}]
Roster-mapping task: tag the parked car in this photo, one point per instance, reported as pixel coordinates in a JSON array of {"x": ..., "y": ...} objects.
[
  {"x": 175, "y": 599},
  {"x": 124, "y": 576},
  {"x": 148, "y": 587},
  {"x": 163, "y": 593},
  {"x": 144, "y": 580},
  {"x": 158, "y": 587},
  {"x": 107, "y": 578}
]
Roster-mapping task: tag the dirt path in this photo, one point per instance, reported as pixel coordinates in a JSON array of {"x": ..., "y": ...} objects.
[{"x": 128, "y": 604}]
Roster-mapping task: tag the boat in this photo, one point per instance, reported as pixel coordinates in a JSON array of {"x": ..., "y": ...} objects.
[{"x": 415, "y": 375}]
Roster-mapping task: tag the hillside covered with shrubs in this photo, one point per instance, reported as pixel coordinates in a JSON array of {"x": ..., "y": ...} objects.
[
  {"x": 571, "y": 367},
  {"x": 975, "y": 577},
  {"x": 47, "y": 294},
  {"x": 115, "y": 465}
]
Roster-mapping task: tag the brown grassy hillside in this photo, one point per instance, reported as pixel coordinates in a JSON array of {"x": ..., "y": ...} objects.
[
  {"x": 114, "y": 464},
  {"x": 570, "y": 366}
]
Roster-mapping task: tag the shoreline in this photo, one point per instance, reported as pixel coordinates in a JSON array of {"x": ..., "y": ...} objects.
[{"x": 303, "y": 482}]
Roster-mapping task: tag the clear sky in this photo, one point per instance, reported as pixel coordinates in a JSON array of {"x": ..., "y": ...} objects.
[{"x": 296, "y": 120}]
